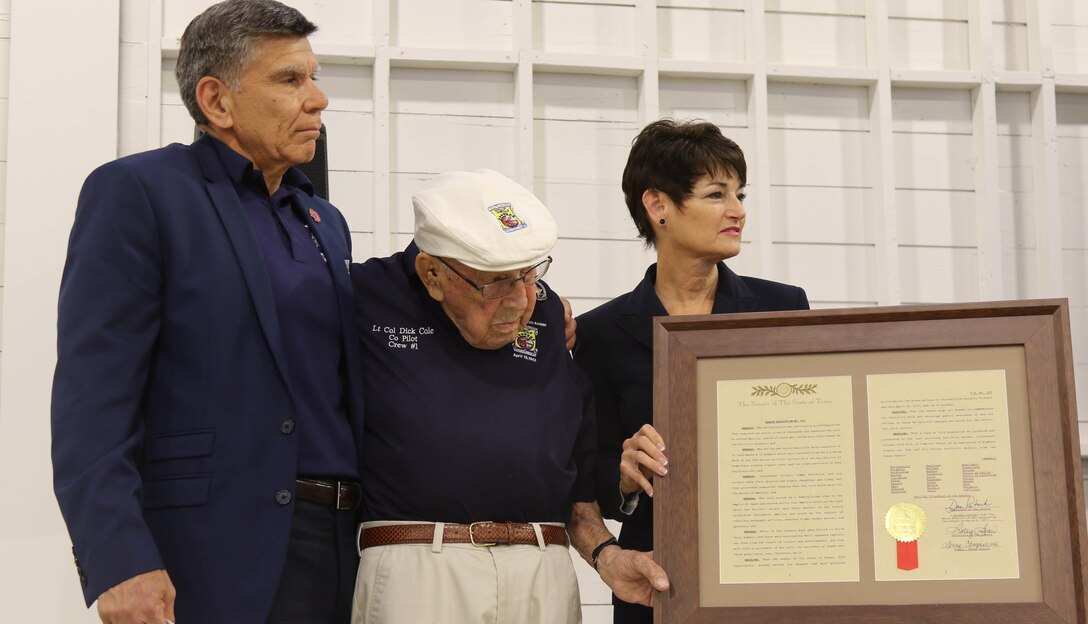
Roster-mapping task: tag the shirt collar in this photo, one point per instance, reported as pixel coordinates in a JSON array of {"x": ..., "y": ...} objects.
[{"x": 241, "y": 171}]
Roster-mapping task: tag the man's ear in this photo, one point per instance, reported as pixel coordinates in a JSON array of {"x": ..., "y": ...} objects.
[
  {"x": 428, "y": 272},
  {"x": 215, "y": 100}
]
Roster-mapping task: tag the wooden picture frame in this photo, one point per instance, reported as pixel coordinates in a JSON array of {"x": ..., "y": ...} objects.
[{"x": 1028, "y": 342}]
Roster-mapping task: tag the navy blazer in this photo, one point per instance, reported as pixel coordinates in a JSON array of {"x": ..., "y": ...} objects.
[
  {"x": 171, "y": 385},
  {"x": 615, "y": 349}
]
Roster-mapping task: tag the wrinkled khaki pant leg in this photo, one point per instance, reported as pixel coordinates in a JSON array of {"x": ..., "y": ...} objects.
[{"x": 465, "y": 584}]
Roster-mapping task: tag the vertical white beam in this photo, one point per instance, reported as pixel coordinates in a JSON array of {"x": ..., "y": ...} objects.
[
  {"x": 649, "y": 82},
  {"x": 154, "y": 75},
  {"x": 882, "y": 164},
  {"x": 760, "y": 229},
  {"x": 383, "y": 207},
  {"x": 524, "y": 126},
  {"x": 1040, "y": 37},
  {"x": 1050, "y": 277},
  {"x": 991, "y": 283},
  {"x": 62, "y": 123}
]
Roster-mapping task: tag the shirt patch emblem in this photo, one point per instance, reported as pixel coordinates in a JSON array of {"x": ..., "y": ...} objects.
[
  {"x": 507, "y": 218},
  {"x": 541, "y": 293},
  {"x": 525, "y": 343},
  {"x": 313, "y": 215}
]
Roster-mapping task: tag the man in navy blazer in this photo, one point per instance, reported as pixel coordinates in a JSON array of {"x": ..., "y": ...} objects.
[{"x": 204, "y": 435}]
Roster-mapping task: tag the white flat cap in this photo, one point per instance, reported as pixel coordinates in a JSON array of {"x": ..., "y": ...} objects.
[{"x": 484, "y": 219}]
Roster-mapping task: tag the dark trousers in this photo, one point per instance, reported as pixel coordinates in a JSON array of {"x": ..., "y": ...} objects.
[
  {"x": 322, "y": 559},
  {"x": 627, "y": 613}
]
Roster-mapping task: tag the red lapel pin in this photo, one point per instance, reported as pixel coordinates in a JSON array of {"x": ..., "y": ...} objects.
[{"x": 313, "y": 215}]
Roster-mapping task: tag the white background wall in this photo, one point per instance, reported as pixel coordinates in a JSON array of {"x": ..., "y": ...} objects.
[{"x": 899, "y": 152}]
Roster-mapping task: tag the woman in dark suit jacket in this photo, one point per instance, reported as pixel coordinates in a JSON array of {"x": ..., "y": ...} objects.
[{"x": 684, "y": 186}]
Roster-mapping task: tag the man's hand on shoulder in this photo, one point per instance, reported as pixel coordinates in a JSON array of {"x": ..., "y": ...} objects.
[
  {"x": 570, "y": 325},
  {"x": 147, "y": 597}
]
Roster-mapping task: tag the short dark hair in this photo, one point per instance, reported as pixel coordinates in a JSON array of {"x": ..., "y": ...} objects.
[
  {"x": 222, "y": 41},
  {"x": 669, "y": 156}
]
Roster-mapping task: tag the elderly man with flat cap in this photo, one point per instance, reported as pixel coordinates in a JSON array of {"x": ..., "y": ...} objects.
[{"x": 479, "y": 439}]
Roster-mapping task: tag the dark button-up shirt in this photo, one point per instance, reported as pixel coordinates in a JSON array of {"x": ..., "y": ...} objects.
[{"x": 308, "y": 313}]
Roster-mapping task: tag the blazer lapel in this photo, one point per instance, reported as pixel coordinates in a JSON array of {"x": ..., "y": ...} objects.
[
  {"x": 642, "y": 305},
  {"x": 227, "y": 205},
  {"x": 732, "y": 294},
  {"x": 636, "y": 318}
]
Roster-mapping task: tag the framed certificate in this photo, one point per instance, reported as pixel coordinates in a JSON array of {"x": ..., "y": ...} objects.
[{"x": 896, "y": 464}]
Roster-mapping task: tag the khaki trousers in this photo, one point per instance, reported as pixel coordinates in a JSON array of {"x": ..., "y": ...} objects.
[{"x": 465, "y": 584}]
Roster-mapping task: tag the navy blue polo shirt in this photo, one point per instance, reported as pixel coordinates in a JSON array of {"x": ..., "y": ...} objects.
[
  {"x": 459, "y": 434},
  {"x": 308, "y": 313}
]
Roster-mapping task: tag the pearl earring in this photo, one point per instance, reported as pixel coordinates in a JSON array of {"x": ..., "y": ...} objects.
[{"x": 661, "y": 221}]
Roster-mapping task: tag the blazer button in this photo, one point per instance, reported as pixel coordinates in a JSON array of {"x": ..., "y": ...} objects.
[
  {"x": 287, "y": 426},
  {"x": 283, "y": 497}
]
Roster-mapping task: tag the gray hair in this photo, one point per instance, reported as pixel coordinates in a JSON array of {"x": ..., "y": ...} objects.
[{"x": 222, "y": 41}]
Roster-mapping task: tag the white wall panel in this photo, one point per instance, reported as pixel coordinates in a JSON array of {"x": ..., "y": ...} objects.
[
  {"x": 936, "y": 217},
  {"x": 1010, "y": 46},
  {"x": 1069, "y": 12},
  {"x": 808, "y": 266},
  {"x": 575, "y": 97},
  {"x": 349, "y": 121},
  {"x": 818, "y": 158},
  {"x": 585, "y": 28},
  {"x": 462, "y": 24},
  {"x": 351, "y": 191},
  {"x": 723, "y": 102},
  {"x": 350, "y": 135},
  {"x": 1070, "y": 32},
  {"x": 1073, "y": 154},
  {"x": 1070, "y": 48},
  {"x": 587, "y": 209},
  {"x": 701, "y": 34},
  {"x": 595, "y": 269},
  {"x": 582, "y": 150},
  {"x": 1072, "y": 131},
  {"x": 817, "y": 107},
  {"x": 454, "y": 93},
  {"x": 928, "y": 44},
  {"x": 940, "y": 111},
  {"x": 828, "y": 215},
  {"x": 432, "y": 144},
  {"x": 934, "y": 161},
  {"x": 444, "y": 120},
  {"x": 813, "y": 39},
  {"x": 938, "y": 274},
  {"x": 1016, "y": 193}
]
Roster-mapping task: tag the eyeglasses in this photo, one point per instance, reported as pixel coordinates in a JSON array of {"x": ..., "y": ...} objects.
[{"x": 502, "y": 286}]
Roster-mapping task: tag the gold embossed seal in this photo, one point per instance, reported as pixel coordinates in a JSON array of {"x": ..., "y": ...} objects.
[{"x": 905, "y": 522}]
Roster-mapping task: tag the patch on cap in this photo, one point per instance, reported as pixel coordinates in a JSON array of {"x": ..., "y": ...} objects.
[{"x": 505, "y": 214}]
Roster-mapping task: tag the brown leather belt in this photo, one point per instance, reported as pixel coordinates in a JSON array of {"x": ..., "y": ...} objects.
[
  {"x": 477, "y": 534},
  {"x": 336, "y": 494}
]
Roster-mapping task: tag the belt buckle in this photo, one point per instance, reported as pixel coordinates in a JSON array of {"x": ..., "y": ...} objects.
[
  {"x": 338, "y": 491},
  {"x": 472, "y": 537}
]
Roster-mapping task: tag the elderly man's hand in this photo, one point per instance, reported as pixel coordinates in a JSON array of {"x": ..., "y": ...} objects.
[
  {"x": 570, "y": 326},
  {"x": 632, "y": 575},
  {"x": 144, "y": 598}
]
